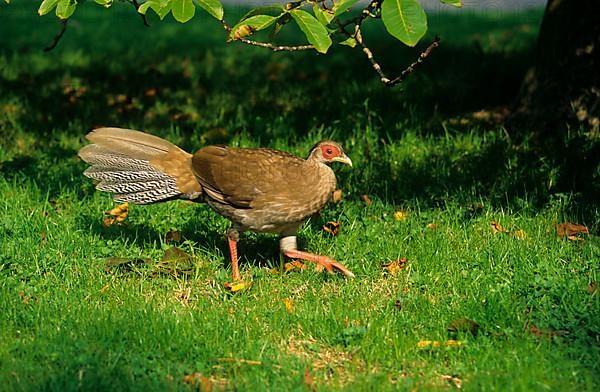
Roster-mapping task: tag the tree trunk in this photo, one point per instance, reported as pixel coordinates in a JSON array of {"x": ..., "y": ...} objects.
[{"x": 562, "y": 90}]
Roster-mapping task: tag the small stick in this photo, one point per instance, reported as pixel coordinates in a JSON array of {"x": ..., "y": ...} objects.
[{"x": 58, "y": 36}]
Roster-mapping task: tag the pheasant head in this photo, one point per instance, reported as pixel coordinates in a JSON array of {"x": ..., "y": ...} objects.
[{"x": 328, "y": 151}]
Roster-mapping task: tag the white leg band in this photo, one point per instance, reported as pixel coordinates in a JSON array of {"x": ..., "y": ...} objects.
[{"x": 288, "y": 243}]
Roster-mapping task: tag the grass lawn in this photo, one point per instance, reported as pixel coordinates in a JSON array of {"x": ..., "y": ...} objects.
[{"x": 89, "y": 307}]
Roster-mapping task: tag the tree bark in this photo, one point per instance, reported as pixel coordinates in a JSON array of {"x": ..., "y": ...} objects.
[{"x": 562, "y": 90}]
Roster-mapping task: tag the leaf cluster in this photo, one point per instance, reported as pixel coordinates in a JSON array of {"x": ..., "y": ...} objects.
[{"x": 323, "y": 22}]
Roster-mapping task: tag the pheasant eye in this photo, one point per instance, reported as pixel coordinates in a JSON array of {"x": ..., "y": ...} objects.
[{"x": 329, "y": 151}]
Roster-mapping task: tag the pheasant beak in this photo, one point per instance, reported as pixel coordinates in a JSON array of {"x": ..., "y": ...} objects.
[{"x": 343, "y": 159}]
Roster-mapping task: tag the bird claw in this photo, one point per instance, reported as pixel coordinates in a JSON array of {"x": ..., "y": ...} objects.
[{"x": 330, "y": 264}]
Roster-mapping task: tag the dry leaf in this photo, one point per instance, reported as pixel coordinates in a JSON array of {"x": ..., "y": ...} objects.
[
  {"x": 453, "y": 380},
  {"x": 571, "y": 230},
  {"x": 24, "y": 297},
  {"x": 332, "y": 227},
  {"x": 150, "y": 92},
  {"x": 535, "y": 331},
  {"x": 240, "y": 285},
  {"x": 592, "y": 287},
  {"x": 172, "y": 236},
  {"x": 401, "y": 215},
  {"x": 464, "y": 325},
  {"x": 289, "y": 304},
  {"x": 176, "y": 261},
  {"x": 432, "y": 226},
  {"x": 366, "y": 199},
  {"x": 206, "y": 384},
  {"x": 124, "y": 264},
  {"x": 497, "y": 228},
  {"x": 116, "y": 215},
  {"x": 295, "y": 265},
  {"x": 395, "y": 266},
  {"x": 308, "y": 380},
  {"x": 337, "y": 196}
]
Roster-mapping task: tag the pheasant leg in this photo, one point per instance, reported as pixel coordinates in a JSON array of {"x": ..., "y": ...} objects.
[
  {"x": 232, "y": 238},
  {"x": 289, "y": 248}
]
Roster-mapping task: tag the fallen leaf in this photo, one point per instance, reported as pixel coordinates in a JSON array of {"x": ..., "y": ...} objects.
[
  {"x": 289, "y": 304},
  {"x": 172, "y": 236},
  {"x": 401, "y": 215},
  {"x": 206, "y": 384},
  {"x": 571, "y": 230},
  {"x": 24, "y": 297},
  {"x": 116, "y": 215},
  {"x": 240, "y": 285},
  {"x": 176, "y": 261},
  {"x": 124, "y": 264},
  {"x": 395, "y": 266},
  {"x": 432, "y": 226},
  {"x": 332, "y": 227},
  {"x": 592, "y": 287},
  {"x": 366, "y": 199},
  {"x": 308, "y": 380},
  {"x": 453, "y": 380},
  {"x": 150, "y": 92},
  {"x": 497, "y": 228},
  {"x": 535, "y": 331},
  {"x": 464, "y": 325},
  {"x": 337, "y": 196},
  {"x": 295, "y": 265}
]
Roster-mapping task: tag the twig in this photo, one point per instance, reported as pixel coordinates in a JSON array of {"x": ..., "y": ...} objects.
[
  {"x": 408, "y": 70},
  {"x": 424, "y": 54},
  {"x": 137, "y": 7},
  {"x": 58, "y": 36},
  {"x": 276, "y": 48},
  {"x": 370, "y": 11}
]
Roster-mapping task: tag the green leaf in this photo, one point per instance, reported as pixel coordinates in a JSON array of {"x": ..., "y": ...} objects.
[
  {"x": 315, "y": 32},
  {"x": 47, "y": 6},
  {"x": 104, "y": 3},
  {"x": 183, "y": 10},
  {"x": 405, "y": 20},
  {"x": 213, "y": 7},
  {"x": 248, "y": 26},
  {"x": 343, "y": 5},
  {"x": 264, "y": 10},
  {"x": 323, "y": 16},
  {"x": 161, "y": 8},
  {"x": 351, "y": 42},
  {"x": 65, "y": 8},
  {"x": 456, "y": 3}
]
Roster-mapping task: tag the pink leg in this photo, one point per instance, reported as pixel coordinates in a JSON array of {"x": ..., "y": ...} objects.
[
  {"x": 325, "y": 261},
  {"x": 235, "y": 269}
]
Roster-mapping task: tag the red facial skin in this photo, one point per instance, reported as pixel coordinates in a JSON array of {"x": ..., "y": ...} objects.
[{"x": 329, "y": 151}]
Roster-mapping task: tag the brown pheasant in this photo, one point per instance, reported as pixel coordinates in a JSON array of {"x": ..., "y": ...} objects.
[{"x": 257, "y": 189}]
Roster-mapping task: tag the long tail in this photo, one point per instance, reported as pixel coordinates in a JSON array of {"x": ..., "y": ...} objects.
[{"x": 138, "y": 167}]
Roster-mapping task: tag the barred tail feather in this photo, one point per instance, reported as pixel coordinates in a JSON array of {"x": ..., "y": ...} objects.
[{"x": 138, "y": 167}]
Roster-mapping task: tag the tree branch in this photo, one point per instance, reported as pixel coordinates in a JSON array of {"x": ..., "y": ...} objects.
[{"x": 58, "y": 36}]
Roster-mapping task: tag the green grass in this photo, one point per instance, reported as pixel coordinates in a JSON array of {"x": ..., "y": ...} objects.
[{"x": 70, "y": 323}]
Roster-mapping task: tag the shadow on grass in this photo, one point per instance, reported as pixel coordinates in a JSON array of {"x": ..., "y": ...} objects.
[{"x": 215, "y": 93}]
